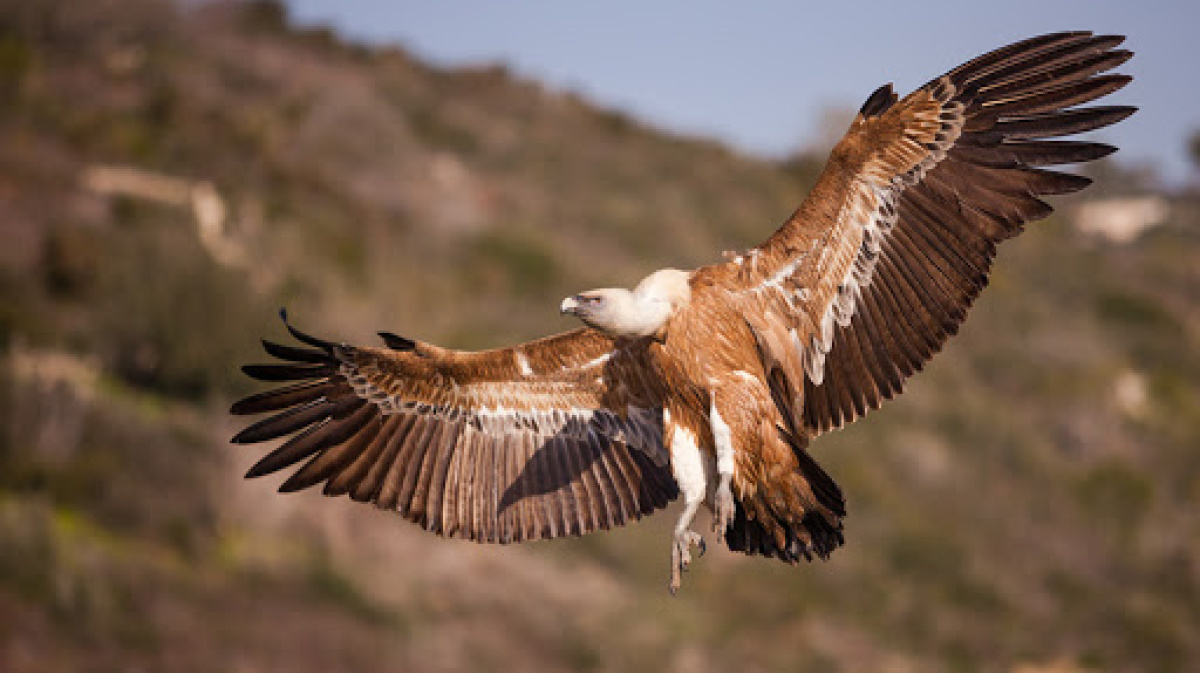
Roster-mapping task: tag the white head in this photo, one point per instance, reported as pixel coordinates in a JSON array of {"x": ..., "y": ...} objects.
[{"x": 642, "y": 312}]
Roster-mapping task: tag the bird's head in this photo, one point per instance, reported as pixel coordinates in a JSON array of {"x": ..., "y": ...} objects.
[
  {"x": 601, "y": 309},
  {"x": 638, "y": 313}
]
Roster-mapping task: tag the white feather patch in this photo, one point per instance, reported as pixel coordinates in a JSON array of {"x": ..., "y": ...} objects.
[
  {"x": 640, "y": 428},
  {"x": 745, "y": 375},
  {"x": 688, "y": 465},
  {"x": 522, "y": 363},
  {"x": 722, "y": 439}
]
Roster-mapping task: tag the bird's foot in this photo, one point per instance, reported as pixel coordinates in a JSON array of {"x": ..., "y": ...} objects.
[
  {"x": 723, "y": 509},
  {"x": 681, "y": 555}
]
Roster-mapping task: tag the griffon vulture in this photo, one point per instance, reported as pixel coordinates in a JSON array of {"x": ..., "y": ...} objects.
[{"x": 710, "y": 384}]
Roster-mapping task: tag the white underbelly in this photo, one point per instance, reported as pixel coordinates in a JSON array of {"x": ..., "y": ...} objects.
[{"x": 694, "y": 470}]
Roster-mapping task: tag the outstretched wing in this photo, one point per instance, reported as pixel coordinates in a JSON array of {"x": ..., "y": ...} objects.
[
  {"x": 878, "y": 266},
  {"x": 551, "y": 438}
]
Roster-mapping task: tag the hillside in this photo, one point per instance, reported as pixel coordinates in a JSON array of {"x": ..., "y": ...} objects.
[{"x": 171, "y": 175}]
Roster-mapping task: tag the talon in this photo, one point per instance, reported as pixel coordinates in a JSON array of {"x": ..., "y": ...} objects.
[{"x": 681, "y": 556}]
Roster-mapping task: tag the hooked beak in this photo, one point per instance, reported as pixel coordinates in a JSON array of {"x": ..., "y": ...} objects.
[{"x": 569, "y": 306}]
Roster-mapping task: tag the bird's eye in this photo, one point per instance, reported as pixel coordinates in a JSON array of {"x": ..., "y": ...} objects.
[{"x": 590, "y": 300}]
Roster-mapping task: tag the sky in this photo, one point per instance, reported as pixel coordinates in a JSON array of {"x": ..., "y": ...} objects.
[{"x": 762, "y": 75}]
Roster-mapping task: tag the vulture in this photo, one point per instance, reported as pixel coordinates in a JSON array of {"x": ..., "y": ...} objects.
[{"x": 709, "y": 384}]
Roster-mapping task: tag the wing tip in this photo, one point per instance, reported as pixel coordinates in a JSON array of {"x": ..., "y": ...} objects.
[
  {"x": 397, "y": 342},
  {"x": 301, "y": 336},
  {"x": 246, "y": 436},
  {"x": 288, "y": 372},
  {"x": 1121, "y": 112},
  {"x": 1100, "y": 150},
  {"x": 292, "y": 484},
  {"x": 259, "y": 469},
  {"x": 255, "y": 371},
  {"x": 879, "y": 101}
]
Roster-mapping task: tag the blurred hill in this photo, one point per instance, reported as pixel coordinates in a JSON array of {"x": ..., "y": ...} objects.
[{"x": 170, "y": 175}]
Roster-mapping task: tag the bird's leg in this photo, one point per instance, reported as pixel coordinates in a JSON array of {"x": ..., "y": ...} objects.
[
  {"x": 723, "y": 506},
  {"x": 687, "y": 464}
]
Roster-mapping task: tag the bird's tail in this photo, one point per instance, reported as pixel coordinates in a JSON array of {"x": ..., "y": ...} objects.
[{"x": 798, "y": 517}]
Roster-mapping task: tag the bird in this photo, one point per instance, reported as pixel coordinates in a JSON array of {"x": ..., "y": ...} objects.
[{"x": 709, "y": 385}]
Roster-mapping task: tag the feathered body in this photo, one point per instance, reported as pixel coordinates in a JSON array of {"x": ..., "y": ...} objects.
[{"x": 710, "y": 384}]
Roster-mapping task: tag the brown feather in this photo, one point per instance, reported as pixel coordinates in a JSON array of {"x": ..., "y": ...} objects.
[
  {"x": 1044, "y": 79},
  {"x": 1028, "y": 48},
  {"x": 346, "y": 478},
  {"x": 282, "y": 398},
  {"x": 1052, "y": 124},
  {"x": 1033, "y": 153},
  {"x": 288, "y": 372},
  {"x": 381, "y": 483},
  {"x": 292, "y": 420},
  {"x": 1030, "y": 65},
  {"x": 1046, "y": 100},
  {"x": 441, "y": 468},
  {"x": 325, "y": 464}
]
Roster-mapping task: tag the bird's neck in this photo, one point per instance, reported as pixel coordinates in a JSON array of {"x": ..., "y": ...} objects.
[
  {"x": 644, "y": 312},
  {"x": 637, "y": 316}
]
